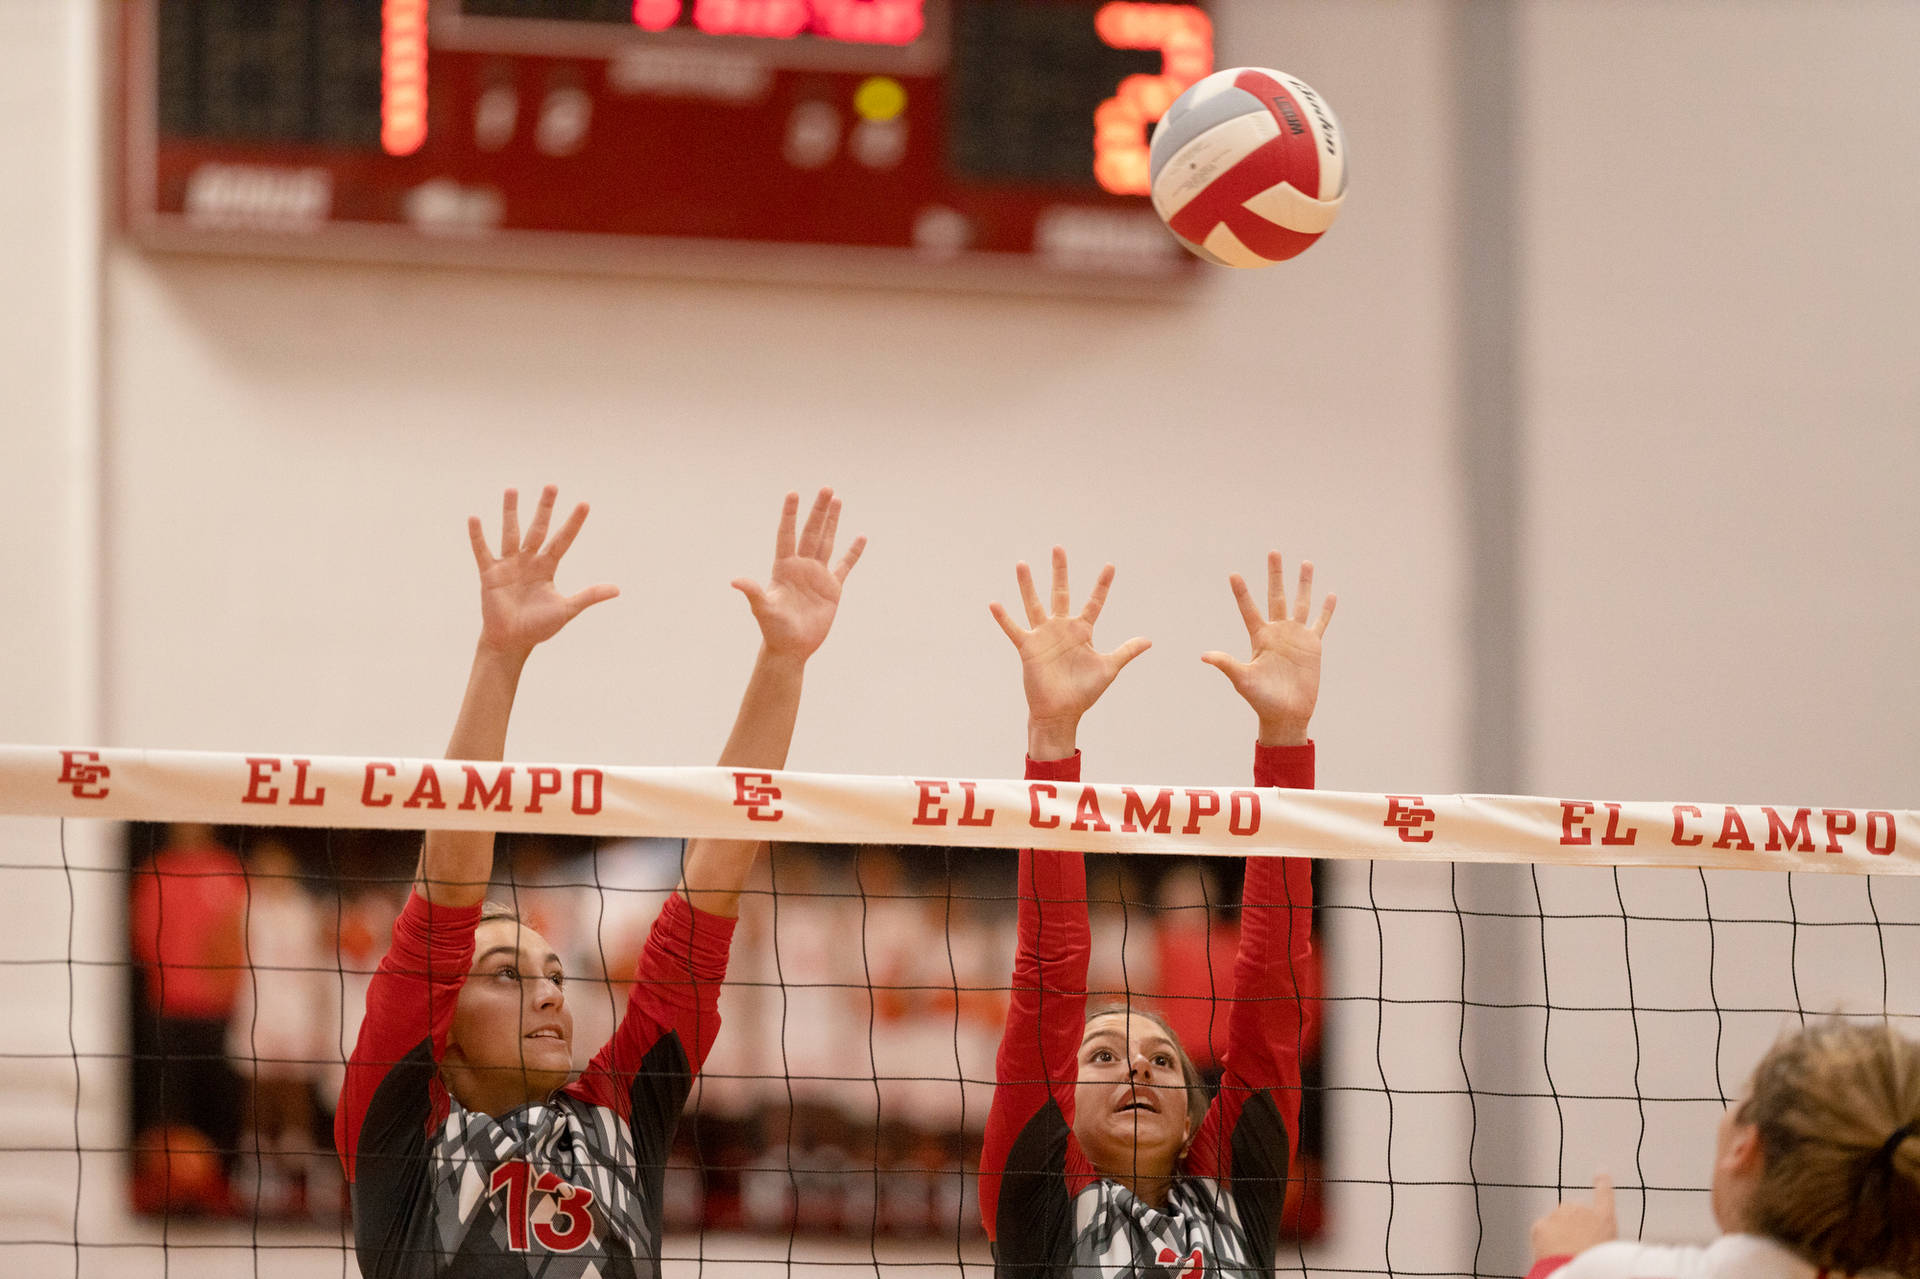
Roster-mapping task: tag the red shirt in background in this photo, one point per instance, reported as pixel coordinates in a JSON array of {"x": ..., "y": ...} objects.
[
  {"x": 1195, "y": 988},
  {"x": 189, "y": 905}
]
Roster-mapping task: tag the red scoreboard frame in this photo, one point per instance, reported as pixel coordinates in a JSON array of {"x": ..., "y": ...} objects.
[{"x": 946, "y": 143}]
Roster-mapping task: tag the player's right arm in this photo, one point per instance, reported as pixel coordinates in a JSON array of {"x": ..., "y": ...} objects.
[
  {"x": 387, "y": 1097},
  {"x": 1025, "y": 1200},
  {"x": 1252, "y": 1129},
  {"x": 685, "y": 959},
  {"x": 1567, "y": 1241}
]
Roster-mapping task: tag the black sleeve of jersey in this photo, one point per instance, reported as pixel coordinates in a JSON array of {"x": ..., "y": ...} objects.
[
  {"x": 1259, "y": 1147},
  {"x": 1033, "y": 1219},
  {"x": 390, "y": 1186},
  {"x": 659, "y": 1094}
]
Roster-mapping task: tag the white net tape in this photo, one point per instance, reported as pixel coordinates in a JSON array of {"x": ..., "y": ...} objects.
[{"x": 395, "y": 793}]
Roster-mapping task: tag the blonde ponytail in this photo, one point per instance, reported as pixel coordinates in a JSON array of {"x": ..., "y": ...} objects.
[{"x": 1838, "y": 1111}]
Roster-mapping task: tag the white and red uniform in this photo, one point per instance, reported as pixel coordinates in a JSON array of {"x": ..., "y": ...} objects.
[{"x": 1728, "y": 1257}]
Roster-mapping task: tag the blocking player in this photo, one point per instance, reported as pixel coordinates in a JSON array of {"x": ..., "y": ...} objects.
[
  {"x": 1102, "y": 1156},
  {"x": 468, "y": 1150}
]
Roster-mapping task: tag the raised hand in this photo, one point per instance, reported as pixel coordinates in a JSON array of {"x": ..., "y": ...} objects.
[
  {"x": 795, "y": 608},
  {"x": 1061, "y": 671},
  {"x": 1282, "y": 679},
  {"x": 519, "y": 606},
  {"x": 1573, "y": 1227}
]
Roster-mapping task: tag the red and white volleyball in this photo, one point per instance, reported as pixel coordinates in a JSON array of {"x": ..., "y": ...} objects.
[{"x": 1249, "y": 167}]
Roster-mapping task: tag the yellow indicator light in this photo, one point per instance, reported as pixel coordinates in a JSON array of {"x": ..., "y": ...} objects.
[{"x": 880, "y": 98}]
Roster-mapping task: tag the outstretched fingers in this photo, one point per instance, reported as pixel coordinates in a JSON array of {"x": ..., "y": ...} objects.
[
  {"x": 580, "y": 601},
  {"x": 1007, "y": 624},
  {"x": 1119, "y": 657},
  {"x": 1098, "y": 600},
  {"x": 477, "y": 538},
  {"x": 564, "y": 538},
  {"x": 1304, "y": 599},
  {"x": 1225, "y": 663},
  {"x": 542, "y": 516},
  {"x": 1326, "y": 613},
  {"x": 1276, "y": 587},
  {"x": 847, "y": 561},
  {"x": 1062, "y": 597},
  {"x": 789, "y": 518},
  {"x": 810, "y": 536},
  {"x": 510, "y": 524},
  {"x": 1249, "y": 611},
  {"x": 1603, "y": 1196},
  {"x": 1029, "y": 597},
  {"x": 754, "y": 592},
  {"x": 830, "y": 533}
]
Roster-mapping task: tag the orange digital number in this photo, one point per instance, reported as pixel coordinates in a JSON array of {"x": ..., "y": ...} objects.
[
  {"x": 403, "y": 76},
  {"x": 656, "y": 15},
  {"x": 1184, "y": 36},
  {"x": 769, "y": 19},
  {"x": 871, "y": 21},
  {"x": 855, "y": 21}
]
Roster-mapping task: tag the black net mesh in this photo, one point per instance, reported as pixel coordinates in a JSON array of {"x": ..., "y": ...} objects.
[{"x": 1480, "y": 1037}]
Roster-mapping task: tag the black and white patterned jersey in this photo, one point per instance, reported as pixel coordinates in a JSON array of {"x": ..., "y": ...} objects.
[{"x": 569, "y": 1188}]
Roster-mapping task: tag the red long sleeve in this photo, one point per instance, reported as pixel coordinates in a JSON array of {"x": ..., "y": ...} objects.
[
  {"x": 1266, "y": 1021},
  {"x": 410, "y": 1002},
  {"x": 1038, "y": 1060},
  {"x": 678, "y": 991}
]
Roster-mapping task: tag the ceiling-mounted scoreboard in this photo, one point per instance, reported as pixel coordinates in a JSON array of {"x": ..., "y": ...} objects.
[{"x": 978, "y": 143}]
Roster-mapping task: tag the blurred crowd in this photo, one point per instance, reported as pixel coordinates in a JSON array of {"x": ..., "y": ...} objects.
[{"x": 848, "y": 1091}]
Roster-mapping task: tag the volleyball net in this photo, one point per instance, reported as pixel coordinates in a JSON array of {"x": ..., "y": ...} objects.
[{"x": 1511, "y": 993}]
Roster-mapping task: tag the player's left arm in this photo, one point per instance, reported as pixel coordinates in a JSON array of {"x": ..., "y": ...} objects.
[
  {"x": 410, "y": 999},
  {"x": 520, "y": 609},
  {"x": 685, "y": 958},
  {"x": 1266, "y": 1021}
]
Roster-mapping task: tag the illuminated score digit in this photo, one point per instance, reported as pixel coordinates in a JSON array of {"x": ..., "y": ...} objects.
[
  {"x": 1184, "y": 36},
  {"x": 771, "y": 19},
  {"x": 403, "y": 42},
  {"x": 871, "y": 21},
  {"x": 403, "y": 76},
  {"x": 656, "y": 15},
  {"x": 855, "y": 21}
]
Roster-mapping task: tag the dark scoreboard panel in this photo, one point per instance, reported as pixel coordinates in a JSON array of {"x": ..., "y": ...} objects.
[{"x": 997, "y": 143}]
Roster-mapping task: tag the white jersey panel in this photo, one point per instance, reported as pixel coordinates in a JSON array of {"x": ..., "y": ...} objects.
[{"x": 1728, "y": 1257}]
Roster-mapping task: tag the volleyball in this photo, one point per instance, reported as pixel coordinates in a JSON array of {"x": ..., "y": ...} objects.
[{"x": 1249, "y": 167}]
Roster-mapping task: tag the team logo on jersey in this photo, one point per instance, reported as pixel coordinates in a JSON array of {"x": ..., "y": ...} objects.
[{"x": 1193, "y": 1266}]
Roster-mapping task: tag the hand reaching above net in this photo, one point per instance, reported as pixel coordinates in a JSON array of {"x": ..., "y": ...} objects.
[
  {"x": 519, "y": 605},
  {"x": 1062, "y": 672},
  {"x": 1281, "y": 681},
  {"x": 796, "y": 607},
  {"x": 795, "y": 610},
  {"x": 520, "y": 608}
]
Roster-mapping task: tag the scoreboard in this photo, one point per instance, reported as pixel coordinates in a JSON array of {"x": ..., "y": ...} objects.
[{"x": 964, "y": 143}]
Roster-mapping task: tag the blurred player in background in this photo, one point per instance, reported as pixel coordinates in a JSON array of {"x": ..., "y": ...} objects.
[
  {"x": 468, "y": 1150},
  {"x": 1816, "y": 1173},
  {"x": 1102, "y": 1156},
  {"x": 189, "y": 938},
  {"x": 282, "y": 1025}
]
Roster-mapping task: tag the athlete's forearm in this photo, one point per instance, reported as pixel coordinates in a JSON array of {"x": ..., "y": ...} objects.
[
  {"x": 1266, "y": 1023},
  {"x": 455, "y": 866},
  {"x": 717, "y": 869}
]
